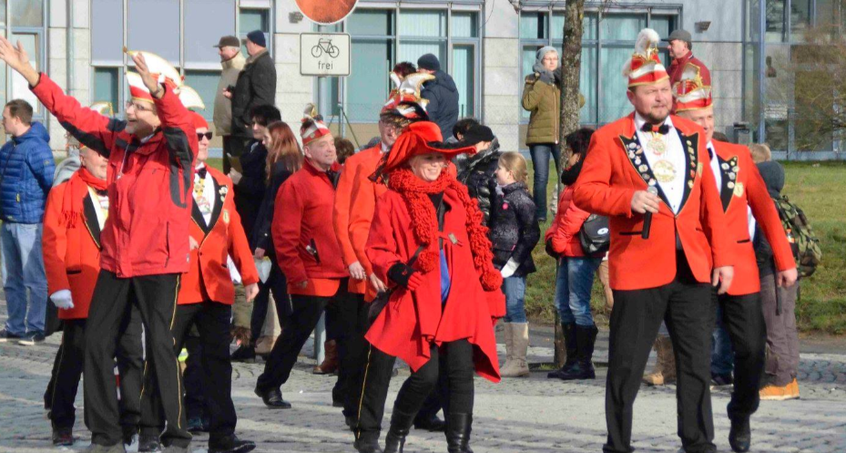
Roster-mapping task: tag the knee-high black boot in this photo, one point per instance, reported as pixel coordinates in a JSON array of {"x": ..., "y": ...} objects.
[
  {"x": 400, "y": 426},
  {"x": 571, "y": 346},
  {"x": 458, "y": 432},
  {"x": 583, "y": 368}
]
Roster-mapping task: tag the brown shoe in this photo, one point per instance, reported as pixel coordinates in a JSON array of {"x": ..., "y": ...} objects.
[
  {"x": 330, "y": 359},
  {"x": 264, "y": 345},
  {"x": 665, "y": 369}
]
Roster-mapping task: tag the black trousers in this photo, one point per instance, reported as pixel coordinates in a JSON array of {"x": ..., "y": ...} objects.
[
  {"x": 67, "y": 370},
  {"x": 227, "y": 151},
  {"x": 212, "y": 321},
  {"x": 743, "y": 317},
  {"x": 155, "y": 298},
  {"x": 193, "y": 377},
  {"x": 688, "y": 310},
  {"x": 376, "y": 379},
  {"x": 278, "y": 285},
  {"x": 305, "y": 313},
  {"x": 449, "y": 368},
  {"x": 348, "y": 330}
]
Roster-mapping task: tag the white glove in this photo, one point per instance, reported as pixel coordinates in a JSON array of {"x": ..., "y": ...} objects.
[
  {"x": 510, "y": 268},
  {"x": 263, "y": 267},
  {"x": 62, "y": 299}
]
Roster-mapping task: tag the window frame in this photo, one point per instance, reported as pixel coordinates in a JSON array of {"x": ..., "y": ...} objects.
[{"x": 8, "y": 28}]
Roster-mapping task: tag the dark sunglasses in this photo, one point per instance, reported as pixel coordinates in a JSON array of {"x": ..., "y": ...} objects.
[{"x": 207, "y": 135}]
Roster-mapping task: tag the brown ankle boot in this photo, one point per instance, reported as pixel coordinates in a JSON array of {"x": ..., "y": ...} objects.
[{"x": 330, "y": 359}]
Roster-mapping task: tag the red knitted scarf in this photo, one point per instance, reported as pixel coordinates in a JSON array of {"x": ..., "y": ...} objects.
[
  {"x": 424, "y": 222},
  {"x": 75, "y": 193}
]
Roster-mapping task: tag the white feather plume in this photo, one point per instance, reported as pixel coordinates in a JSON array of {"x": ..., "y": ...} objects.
[{"x": 646, "y": 39}]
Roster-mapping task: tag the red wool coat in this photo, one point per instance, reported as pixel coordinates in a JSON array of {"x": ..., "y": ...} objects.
[
  {"x": 606, "y": 185},
  {"x": 208, "y": 275},
  {"x": 413, "y": 319},
  {"x": 750, "y": 190}
]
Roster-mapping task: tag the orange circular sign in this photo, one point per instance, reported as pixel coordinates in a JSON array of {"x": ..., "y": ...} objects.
[{"x": 326, "y": 11}]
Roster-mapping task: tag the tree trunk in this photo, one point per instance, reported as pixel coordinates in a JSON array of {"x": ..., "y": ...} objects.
[{"x": 571, "y": 65}]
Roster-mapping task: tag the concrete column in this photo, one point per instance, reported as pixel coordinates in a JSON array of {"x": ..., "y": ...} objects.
[{"x": 501, "y": 74}]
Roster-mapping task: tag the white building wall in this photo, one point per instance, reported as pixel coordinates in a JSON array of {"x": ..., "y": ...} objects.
[{"x": 501, "y": 73}]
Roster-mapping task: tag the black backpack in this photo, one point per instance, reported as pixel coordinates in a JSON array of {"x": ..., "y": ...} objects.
[{"x": 595, "y": 235}]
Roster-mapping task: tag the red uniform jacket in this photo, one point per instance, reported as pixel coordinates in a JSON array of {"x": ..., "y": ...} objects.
[
  {"x": 306, "y": 245},
  {"x": 413, "y": 319},
  {"x": 606, "y": 185},
  {"x": 71, "y": 255},
  {"x": 677, "y": 68},
  {"x": 208, "y": 276},
  {"x": 361, "y": 163},
  {"x": 149, "y": 183},
  {"x": 742, "y": 186},
  {"x": 564, "y": 230}
]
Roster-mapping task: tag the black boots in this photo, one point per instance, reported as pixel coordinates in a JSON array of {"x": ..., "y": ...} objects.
[
  {"x": 400, "y": 425},
  {"x": 458, "y": 432},
  {"x": 570, "y": 344},
  {"x": 740, "y": 435},
  {"x": 582, "y": 368}
]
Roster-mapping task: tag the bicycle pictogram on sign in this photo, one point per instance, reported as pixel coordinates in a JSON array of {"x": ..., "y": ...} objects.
[{"x": 325, "y": 45}]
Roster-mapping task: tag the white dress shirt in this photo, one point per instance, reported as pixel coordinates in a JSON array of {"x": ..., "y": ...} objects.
[
  {"x": 674, "y": 154},
  {"x": 715, "y": 167},
  {"x": 207, "y": 205}
]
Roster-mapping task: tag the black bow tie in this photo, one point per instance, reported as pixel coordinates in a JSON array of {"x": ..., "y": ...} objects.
[
  {"x": 662, "y": 129},
  {"x": 201, "y": 172},
  {"x": 102, "y": 193}
]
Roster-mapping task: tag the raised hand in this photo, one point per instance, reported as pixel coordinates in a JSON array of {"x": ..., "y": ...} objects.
[
  {"x": 17, "y": 59},
  {"x": 149, "y": 79}
]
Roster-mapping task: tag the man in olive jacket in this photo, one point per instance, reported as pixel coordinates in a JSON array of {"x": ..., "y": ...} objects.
[
  {"x": 229, "y": 49},
  {"x": 256, "y": 86}
]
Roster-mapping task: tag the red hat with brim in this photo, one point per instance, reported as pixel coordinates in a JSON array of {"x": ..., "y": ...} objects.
[{"x": 419, "y": 138}]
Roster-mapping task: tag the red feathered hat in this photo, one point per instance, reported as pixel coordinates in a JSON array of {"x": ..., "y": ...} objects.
[
  {"x": 416, "y": 139},
  {"x": 644, "y": 67},
  {"x": 693, "y": 90}
]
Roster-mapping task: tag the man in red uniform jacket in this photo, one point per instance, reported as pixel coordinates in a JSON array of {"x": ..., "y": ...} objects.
[
  {"x": 680, "y": 48},
  {"x": 665, "y": 271},
  {"x": 309, "y": 256},
  {"x": 145, "y": 239},
  {"x": 75, "y": 214},
  {"x": 205, "y": 299},
  {"x": 741, "y": 190}
]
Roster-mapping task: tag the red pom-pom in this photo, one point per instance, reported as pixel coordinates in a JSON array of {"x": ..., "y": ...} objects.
[
  {"x": 491, "y": 280},
  {"x": 427, "y": 260}
]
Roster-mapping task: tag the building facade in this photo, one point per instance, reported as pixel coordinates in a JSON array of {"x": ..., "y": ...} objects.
[{"x": 487, "y": 46}]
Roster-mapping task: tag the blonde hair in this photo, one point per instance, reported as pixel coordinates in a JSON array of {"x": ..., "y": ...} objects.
[
  {"x": 516, "y": 164},
  {"x": 760, "y": 152}
]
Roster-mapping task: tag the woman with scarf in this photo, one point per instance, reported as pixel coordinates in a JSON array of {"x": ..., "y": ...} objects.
[
  {"x": 576, "y": 270},
  {"x": 428, "y": 243}
]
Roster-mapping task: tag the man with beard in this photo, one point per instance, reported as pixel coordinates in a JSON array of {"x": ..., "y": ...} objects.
[
  {"x": 647, "y": 168},
  {"x": 741, "y": 190}
]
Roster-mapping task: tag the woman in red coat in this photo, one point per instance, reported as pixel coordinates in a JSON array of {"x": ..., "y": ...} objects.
[{"x": 428, "y": 243}]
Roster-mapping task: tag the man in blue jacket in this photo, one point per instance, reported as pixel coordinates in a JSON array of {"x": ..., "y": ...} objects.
[
  {"x": 26, "y": 176},
  {"x": 441, "y": 93}
]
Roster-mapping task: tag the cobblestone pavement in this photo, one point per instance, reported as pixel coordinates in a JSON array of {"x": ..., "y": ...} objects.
[{"x": 523, "y": 415}]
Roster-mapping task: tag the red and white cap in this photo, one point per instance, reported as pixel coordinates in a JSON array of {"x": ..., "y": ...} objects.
[
  {"x": 159, "y": 67},
  {"x": 693, "y": 90},
  {"x": 405, "y": 99},
  {"x": 644, "y": 67},
  {"x": 313, "y": 127}
]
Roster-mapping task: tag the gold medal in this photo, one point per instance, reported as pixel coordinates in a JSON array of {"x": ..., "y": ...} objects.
[
  {"x": 738, "y": 189},
  {"x": 226, "y": 216},
  {"x": 664, "y": 171},
  {"x": 657, "y": 145}
]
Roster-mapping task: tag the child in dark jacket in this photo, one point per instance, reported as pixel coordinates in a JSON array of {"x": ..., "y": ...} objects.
[{"x": 514, "y": 233}]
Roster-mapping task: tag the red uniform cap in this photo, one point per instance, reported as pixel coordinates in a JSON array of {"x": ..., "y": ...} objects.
[
  {"x": 645, "y": 68},
  {"x": 198, "y": 120},
  {"x": 692, "y": 91}
]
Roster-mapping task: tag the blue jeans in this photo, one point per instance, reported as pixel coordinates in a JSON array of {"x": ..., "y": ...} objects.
[
  {"x": 515, "y": 299},
  {"x": 540, "y": 160},
  {"x": 572, "y": 289},
  {"x": 24, "y": 269},
  {"x": 722, "y": 356}
]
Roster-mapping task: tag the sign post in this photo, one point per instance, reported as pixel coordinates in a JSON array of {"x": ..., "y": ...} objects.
[{"x": 325, "y": 54}]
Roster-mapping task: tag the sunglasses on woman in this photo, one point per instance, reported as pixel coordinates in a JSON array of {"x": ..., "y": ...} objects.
[{"x": 207, "y": 135}]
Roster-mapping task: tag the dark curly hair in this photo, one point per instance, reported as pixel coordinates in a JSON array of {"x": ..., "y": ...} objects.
[
  {"x": 405, "y": 68},
  {"x": 579, "y": 141}
]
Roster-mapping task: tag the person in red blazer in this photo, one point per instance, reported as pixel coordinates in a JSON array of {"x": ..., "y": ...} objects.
[
  {"x": 310, "y": 257},
  {"x": 428, "y": 244},
  {"x": 664, "y": 272},
  {"x": 205, "y": 300},
  {"x": 741, "y": 190},
  {"x": 75, "y": 214}
]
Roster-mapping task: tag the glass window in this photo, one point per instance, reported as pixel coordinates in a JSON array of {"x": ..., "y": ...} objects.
[
  {"x": 664, "y": 25},
  {"x": 800, "y": 18},
  {"x": 253, "y": 19},
  {"x": 205, "y": 83},
  {"x": 423, "y": 23},
  {"x": 464, "y": 73},
  {"x": 775, "y": 20},
  {"x": 411, "y": 50},
  {"x": 588, "y": 26},
  {"x": 205, "y": 22},
  {"x": 367, "y": 88},
  {"x": 371, "y": 22},
  {"x": 164, "y": 42},
  {"x": 621, "y": 27},
  {"x": 613, "y": 103},
  {"x": 587, "y": 85},
  {"x": 533, "y": 26},
  {"x": 3, "y": 16},
  {"x": 107, "y": 87},
  {"x": 329, "y": 93},
  {"x": 20, "y": 87},
  {"x": 27, "y": 13},
  {"x": 464, "y": 25},
  {"x": 107, "y": 32}
]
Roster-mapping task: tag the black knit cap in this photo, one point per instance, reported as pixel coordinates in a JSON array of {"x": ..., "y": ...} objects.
[
  {"x": 430, "y": 62},
  {"x": 478, "y": 134}
]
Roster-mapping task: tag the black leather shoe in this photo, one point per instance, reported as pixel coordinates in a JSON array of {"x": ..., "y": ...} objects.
[
  {"x": 128, "y": 435},
  {"x": 367, "y": 445},
  {"x": 434, "y": 424},
  {"x": 148, "y": 444},
  {"x": 458, "y": 433},
  {"x": 273, "y": 399},
  {"x": 244, "y": 354},
  {"x": 231, "y": 444},
  {"x": 63, "y": 437},
  {"x": 740, "y": 435}
]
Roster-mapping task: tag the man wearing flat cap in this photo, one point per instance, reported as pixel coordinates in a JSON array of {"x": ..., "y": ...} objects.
[
  {"x": 256, "y": 85},
  {"x": 232, "y": 62},
  {"x": 681, "y": 51}
]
